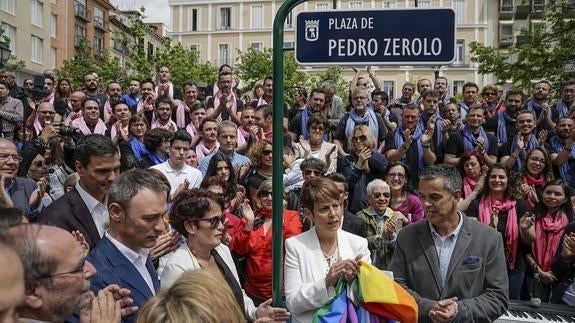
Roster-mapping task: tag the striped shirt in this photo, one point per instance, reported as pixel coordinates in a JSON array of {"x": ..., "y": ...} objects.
[{"x": 11, "y": 113}]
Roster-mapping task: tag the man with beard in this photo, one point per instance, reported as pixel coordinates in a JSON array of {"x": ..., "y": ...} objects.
[
  {"x": 83, "y": 208},
  {"x": 133, "y": 96},
  {"x": 539, "y": 105},
  {"x": 118, "y": 130},
  {"x": 422, "y": 86},
  {"x": 333, "y": 106},
  {"x": 396, "y": 105},
  {"x": 90, "y": 121},
  {"x": 76, "y": 99},
  {"x": 224, "y": 104},
  {"x": 267, "y": 98},
  {"x": 440, "y": 85},
  {"x": 92, "y": 91},
  {"x": 515, "y": 151},
  {"x": 227, "y": 139},
  {"x": 114, "y": 96},
  {"x": 562, "y": 151},
  {"x": 411, "y": 143},
  {"x": 298, "y": 125},
  {"x": 185, "y": 108},
  {"x": 567, "y": 102},
  {"x": 163, "y": 113},
  {"x": 11, "y": 112},
  {"x": 503, "y": 125},
  {"x": 470, "y": 91},
  {"x": 428, "y": 103},
  {"x": 22, "y": 192},
  {"x": 248, "y": 130},
  {"x": 57, "y": 278},
  {"x": 147, "y": 100},
  {"x": 165, "y": 86}
]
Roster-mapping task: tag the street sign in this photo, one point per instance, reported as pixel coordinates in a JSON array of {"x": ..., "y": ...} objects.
[{"x": 376, "y": 37}]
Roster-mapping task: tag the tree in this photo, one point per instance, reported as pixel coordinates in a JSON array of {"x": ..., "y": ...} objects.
[
  {"x": 254, "y": 65},
  {"x": 539, "y": 53},
  {"x": 334, "y": 73}
]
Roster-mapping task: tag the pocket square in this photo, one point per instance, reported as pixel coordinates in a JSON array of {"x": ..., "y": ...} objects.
[{"x": 471, "y": 260}]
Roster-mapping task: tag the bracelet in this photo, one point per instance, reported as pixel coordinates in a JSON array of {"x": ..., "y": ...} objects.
[{"x": 427, "y": 145}]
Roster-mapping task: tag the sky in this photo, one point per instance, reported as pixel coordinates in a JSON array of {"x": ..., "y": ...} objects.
[{"x": 156, "y": 10}]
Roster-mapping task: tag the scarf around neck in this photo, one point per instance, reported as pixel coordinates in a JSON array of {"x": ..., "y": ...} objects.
[
  {"x": 368, "y": 118},
  {"x": 81, "y": 124},
  {"x": 502, "y": 119},
  {"x": 532, "y": 143},
  {"x": 469, "y": 138},
  {"x": 566, "y": 175},
  {"x": 415, "y": 136},
  {"x": 548, "y": 232}
]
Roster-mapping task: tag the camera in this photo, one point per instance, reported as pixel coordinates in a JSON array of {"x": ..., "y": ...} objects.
[{"x": 68, "y": 131}]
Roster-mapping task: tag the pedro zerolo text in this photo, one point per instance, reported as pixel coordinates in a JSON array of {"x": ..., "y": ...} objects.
[{"x": 377, "y": 46}]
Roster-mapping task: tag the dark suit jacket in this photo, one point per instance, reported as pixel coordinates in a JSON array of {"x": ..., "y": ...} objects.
[
  {"x": 20, "y": 194},
  {"x": 71, "y": 213},
  {"x": 353, "y": 224},
  {"x": 477, "y": 273},
  {"x": 113, "y": 268}
]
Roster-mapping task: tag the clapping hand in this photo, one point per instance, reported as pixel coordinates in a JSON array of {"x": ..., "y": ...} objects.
[
  {"x": 36, "y": 196},
  {"x": 568, "y": 247},
  {"x": 165, "y": 244},
  {"x": 494, "y": 220},
  {"x": 526, "y": 221}
]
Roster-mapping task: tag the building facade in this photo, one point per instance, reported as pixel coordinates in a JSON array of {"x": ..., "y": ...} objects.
[{"x": 218, "y": 28}]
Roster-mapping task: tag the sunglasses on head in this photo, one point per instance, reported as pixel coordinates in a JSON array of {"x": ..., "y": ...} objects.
[{"x": 214, "y": 221}]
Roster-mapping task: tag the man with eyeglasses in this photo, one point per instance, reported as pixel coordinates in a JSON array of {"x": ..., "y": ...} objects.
[
  {"x": 11, "y": 112},
  {"x": 57, "y": 278},
  {"x": 360, "y": 114},
  {"x": 137, "y": 203},
  {"x": 44, "y": 116}
]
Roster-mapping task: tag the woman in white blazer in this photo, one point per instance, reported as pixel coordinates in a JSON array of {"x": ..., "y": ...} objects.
[
  {"x": 316, "y": 259},
  {"x": 198, "y": 215}
]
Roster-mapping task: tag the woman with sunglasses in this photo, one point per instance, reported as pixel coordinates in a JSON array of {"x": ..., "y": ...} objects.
[
  {"x": 543, "y": 230},
  {"x": 317, "y": 145},
  {"x": 261, "y": 158},
  {"x": 198, "y": 215},
  {"x": 536, "y": 172},
  {"x": 383, "y": 223},
  {"x": 361, "y": 166},
  {"x": 254, "y": 241},
  {"x": 500, "y": 206},
  {"x": 402, "y": 198},
  {"x": 490, "y": 100}
]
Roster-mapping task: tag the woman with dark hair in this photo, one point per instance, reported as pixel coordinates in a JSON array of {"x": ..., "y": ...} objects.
[
  {"x": 64, "y": 89},
  {"x": 157, "y": 143},
  {"x": 261, "y": 158},
  {"x": 536, "y": 172},
  {"x": 137, "y": 129},
  {"x": 501, "y": 207},
  {"x": 472, "y": 167},
  {"x": 58, "y": 171},
  {"x": 221, "y": 167},
  {"x": 198, "y": 215},
  {"x": 543, "y": 230},
  {"x": 402, "y": 198},
  {"x": 20, "y": 137},
  {"x": 317, "y": 145}
]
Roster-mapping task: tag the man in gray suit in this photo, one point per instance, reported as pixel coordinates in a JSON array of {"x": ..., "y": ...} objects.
[{"x": 453, "y": 266}]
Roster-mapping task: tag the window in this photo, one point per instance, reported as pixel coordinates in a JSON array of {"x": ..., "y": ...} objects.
[
  {"x": 79, "y": 34},
  {"x": 9, "y": 6},
  {"x": 192, "y": 19},
  {"x": 53, "y": 24},
  {"x": 225, "y": 19},
  {"x": 53, "y": 58},
  {"x": 355, "y": 4},
  {"x": 389, "y": 88},
  {"x": 538, "y": 5},
  {"x": 37, "y": 50},
  {"x": 389, "y": 3},
  {"x": 289, "y": 45},
  {"x": 150, "y": 52},
  {"x": 506, "y": 33},
  {"x": 37, "y": 12},
  {"x": 457, "y": 87},
  {"x": 224, "y": 55},
  {"x": 98, "y": 17},
  {"x": 460, "y": 8},
  {"x": 424, "y": 3},
  {"x": 80, "y": 9},
  {"x": 98, "y": 45},
  {"x": 258, "y": 46},
  {"x": 10, "y": 32},
  {"x": 289, "y": 20},
  {"x": 459, "y": 52},
  {"x": 322, "y": 6},
  {"x": 506, "y": 5},
  {"x": 257, "y": 17},
  {"x": 196, "y": 48}
]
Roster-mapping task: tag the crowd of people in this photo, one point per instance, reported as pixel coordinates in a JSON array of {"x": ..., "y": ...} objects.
[{"x": 110, "y": 198}]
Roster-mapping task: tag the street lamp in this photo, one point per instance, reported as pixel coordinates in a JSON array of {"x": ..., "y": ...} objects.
[{"x": 4, "y": 53}]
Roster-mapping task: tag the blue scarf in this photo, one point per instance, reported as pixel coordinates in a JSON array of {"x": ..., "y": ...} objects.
[
  {"x": 535, "y": 108},
  {"x": 469, "y": 139},
  {"x": 562, "y": 108},
  {"x": 502, "y": 118},
  {"x": 306, "y": 114},
  {"x": 564, "y": 168},
  {"x": 398, "y": 139},
  {"x": 463, "y": 108},
  {"x": 156, "y": 159},
  {"x": 438, "y": 127},
  {"x": 138, "y": 148},
  {"x": 533, "y": 142},
  {"x": 368, "y": 118}
]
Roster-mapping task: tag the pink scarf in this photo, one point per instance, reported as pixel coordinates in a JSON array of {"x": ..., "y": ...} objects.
[
  {"x": 203, "y": 151},
  {"x": 80, "y": 123},
  {"x": 468, "y": 185},
  {"x": 548, "y": 232},
  {"x": 141, "y": 107},
  {"x": 181, "y": 111},
  {"x": 261, "y": 101},
  {"x": 191, "y": 129},
  {"x": 113, "y": 131},
  {"x": 107, "y": 110},
  {"x": 171, "y": 125},
  {"x": 49, "y": 98},
  {"x": 486, "y": 206},
  {"x": 241, "y": 136},
  {"x": 534, "y": 182},
  {"x": 231, "y": 104},
  {"x": 37, "y": 126},
  {"x": 170, "y": 89}
]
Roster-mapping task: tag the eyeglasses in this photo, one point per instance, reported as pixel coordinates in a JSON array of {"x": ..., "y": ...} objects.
[
  {"x": 320, "y": 129},
  {"x": 267, "y": 152},
  {"x": 361, "y": 138},
  {"x": 309, "y": 172},
  {"x": 489, "y": 94},
  {"x": 264, "y": 193},
  {"x": 39, "y": 163},
  {"x": 396, "y": 175},
  {"x": 16, "y": 158},
  {"x": 47, "y": 112},
  {"x": 360, "y": 98},
  {"x": 537, "y": 160},
  {"x": 29, "y": 84},
  {"x": 215, "y": 221},
  {"x": 378, "y": 195},
  {"x": 76, "y": 270}
]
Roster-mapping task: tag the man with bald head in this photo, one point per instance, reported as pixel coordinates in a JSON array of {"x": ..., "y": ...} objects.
[
  {"x": 11, "y": 284},
  {"x": 44, "y": 116},
  {"x": 75, "y": 99}
]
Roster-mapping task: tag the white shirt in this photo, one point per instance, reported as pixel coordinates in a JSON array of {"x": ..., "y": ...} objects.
[
  {"x": 138, "y": 259},
  {"x": 98, "y": 210},
  {"x": 177, "y": 177}
]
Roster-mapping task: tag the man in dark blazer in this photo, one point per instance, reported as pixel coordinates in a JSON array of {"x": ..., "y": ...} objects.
[
  {"x": 137, "y": 202},
  {"x": 453, "y": 267},
  {"x": 83, "y": 208},
  {"x": 351, "y": 223}
]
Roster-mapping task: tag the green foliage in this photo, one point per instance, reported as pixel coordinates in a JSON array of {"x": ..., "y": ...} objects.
[
  {"x": 542, "y": 53},
  {"x": 334, "y": 73},
  {"x": 184, "y": 65},
  {"x": 254, "y": 65}
]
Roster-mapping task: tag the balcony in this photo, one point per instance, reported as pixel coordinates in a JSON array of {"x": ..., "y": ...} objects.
[
  {"x": 522, "y": 11},
  {"x": 505, "y": 41},
  {"x": 81, "y": 11},
  {"x": 506, "y": 12},
  {"x": 99, "y": 23}
]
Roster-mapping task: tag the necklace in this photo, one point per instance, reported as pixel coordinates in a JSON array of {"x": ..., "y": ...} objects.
[{"x": 331, "y": 257}]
